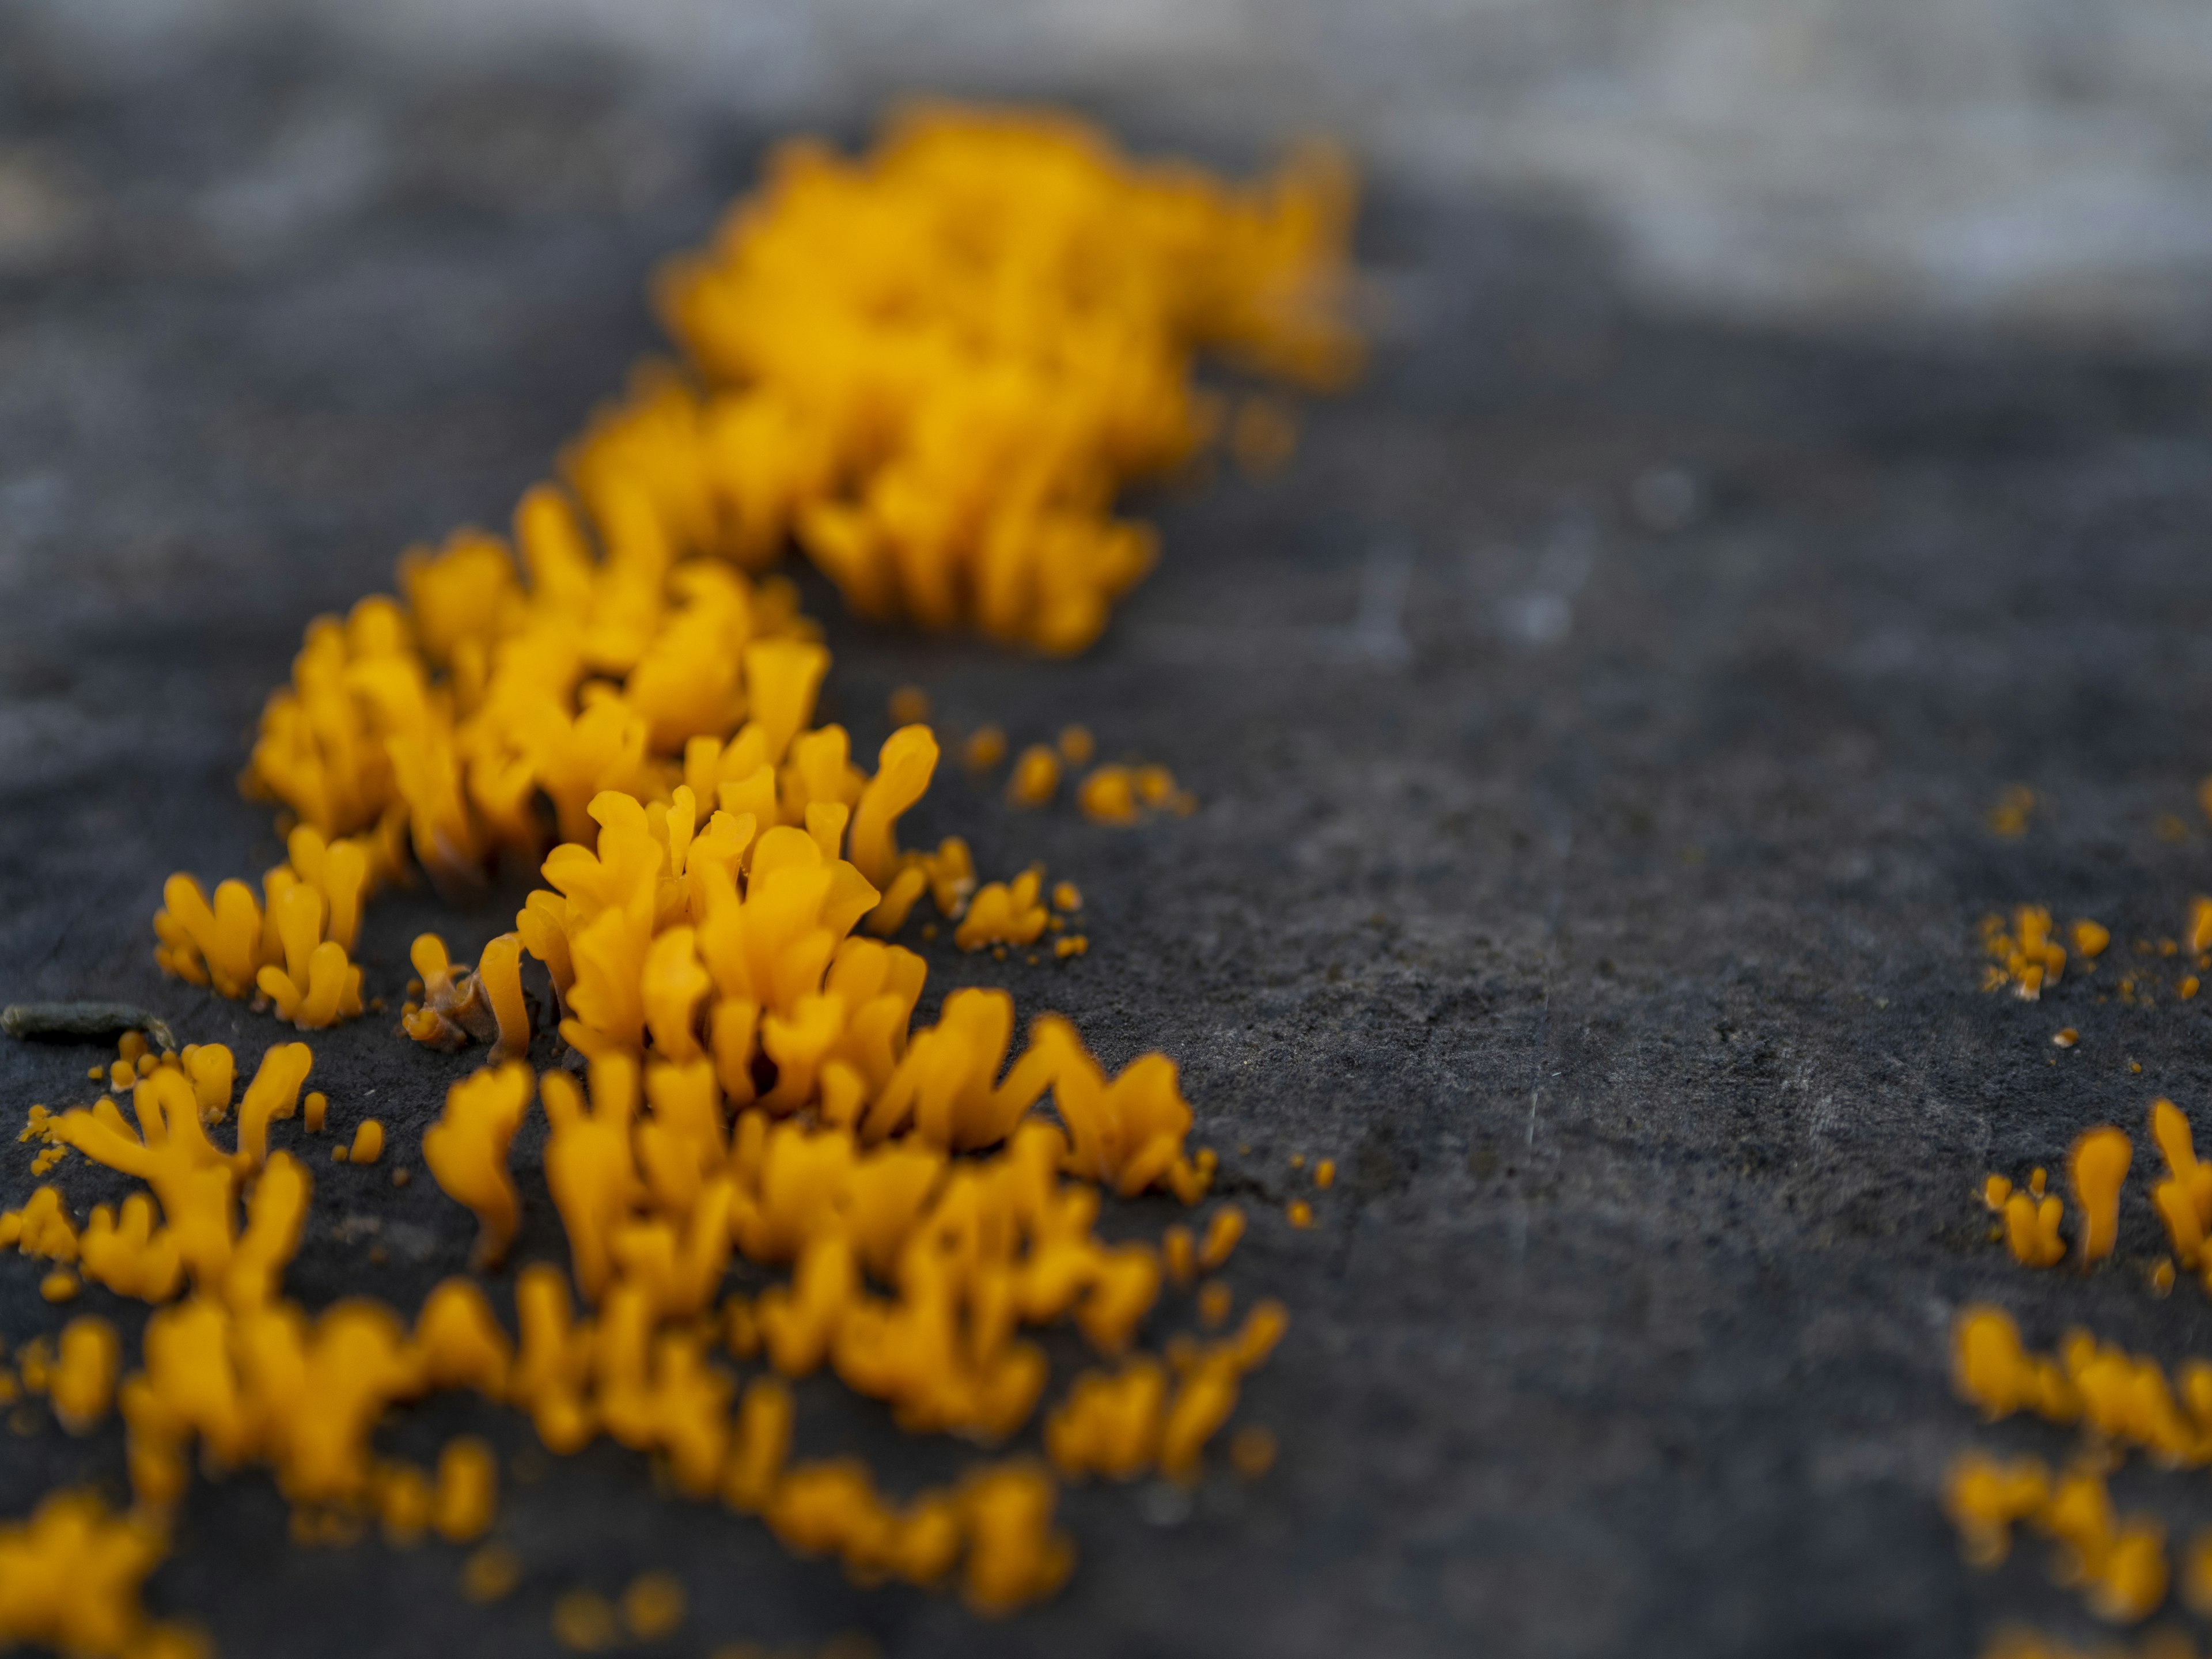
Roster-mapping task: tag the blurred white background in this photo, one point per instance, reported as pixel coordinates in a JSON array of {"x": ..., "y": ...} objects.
[{"x": 2037, "y": 165}]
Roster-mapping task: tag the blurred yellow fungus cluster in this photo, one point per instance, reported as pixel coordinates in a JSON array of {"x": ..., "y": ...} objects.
[
  {"x": 985, "y": 749},
  {"x": 69, "y": 1578},
  {"x": 2125, "y": 1400},
  {"x": 1076, "y": 745},
  {"x": 2028, "y": 958},
  {"x": 936, "y": 365},
  {"x": 1123, "y": 794},
  {"x": 2009, "y": 817},
  {"x": 2119, "y": 1565}
]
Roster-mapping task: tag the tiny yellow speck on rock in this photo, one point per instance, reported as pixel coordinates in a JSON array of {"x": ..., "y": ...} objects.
[
  {"x": 1077, "y": 746},
  {"x": 2066, "y": 1039},
  {"x": 584, "y": 1622},
  {"x": 653, "y": 1607},
  {"x": 986, "y": 750},
  {"x": 490, "y": 1573},
  {"x": 1037, "y": 777},
  {"x": 1301, "y": 1213}
]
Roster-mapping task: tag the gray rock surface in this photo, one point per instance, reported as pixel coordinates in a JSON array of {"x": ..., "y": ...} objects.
[{"x": 1595, "y": 729}]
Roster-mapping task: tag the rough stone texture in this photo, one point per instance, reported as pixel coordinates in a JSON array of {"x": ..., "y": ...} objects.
[{"x": 1600, "y": 896}]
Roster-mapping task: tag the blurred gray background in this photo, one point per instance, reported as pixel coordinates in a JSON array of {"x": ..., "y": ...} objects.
[{"x": 2011, "y": 164}]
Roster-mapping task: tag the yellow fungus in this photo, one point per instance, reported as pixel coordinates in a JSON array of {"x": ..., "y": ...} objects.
[
  {"x": 1067, "y": 896},
  {"x": 1207, "y": 1392},
  {"x": 1222, "y": 1234},
  {"x": 584, "y": 1622},
  {"x": 59, "y": 1285},
  {"x": 2196, "y": 1574},
  {"x": 1035, "y": 777},
  {"x": 986, "y": 750},
  {"x": 1110, "y": 1425},
  {"x": 83, "y": 1382},
  {"x": 2199, "y": 933},
  {"x": 69, "y": 1578},
  {"x": 1076, "y": 746},
  {"x": 404, "y": 1499},
  {"x": 2009, "y": 817},
  {"x": 2187, "y": 988},
  {"x": 1004, "y": 913},
  {"x": 2027, "y": 959},
  {"x": 2066, "y": 1038},
  {"x": 490, "y": 1573},
  {"x": 2120, "y": 1566},
  {"x": 2030, "y": 1229},
  {"x": 652, "y": 1605},
  {"x": 367, "y": 1142},
  {"x": 1108, "y": 795},
  {"x": 467, "y": 1492},
  {"x": 467, "y": 1151},
  {"x": 1325, "y": 1174},
  {"x": 1074, "y": 944},
  {"x": 909, "y": 706},
  {"x": 2036, "y": 1179},
  {"x": 1179, "y": 1253},
  {"x": 318, "y": 1105},
  {"x": 1300, "y": 1213},
  {"x": 1014, "y": 1555},
  {"x": 1214, "y": 1304},
  {"x": 2094, "y": 1169}
]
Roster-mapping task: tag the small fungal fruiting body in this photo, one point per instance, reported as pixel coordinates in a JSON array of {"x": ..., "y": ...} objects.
[
  {"x": 2119, "y": 1565},
  {"x": 616, "y": 684},
  {"x": 2009, "y": 817},
  {"x": 985, "y": 751},
  {"x": 2127, "y": 1400},
  {"x": 2095, "y": 1169},
  {"x": 2027, "y": 959},
  {"x": 2030, "y": 1218},
  {"x": 1037, "y": 777},
  {"x": 69, "y": 1578}
]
